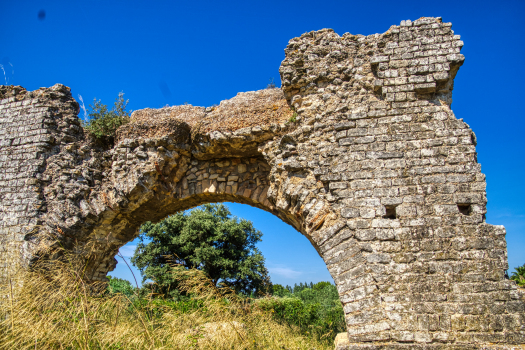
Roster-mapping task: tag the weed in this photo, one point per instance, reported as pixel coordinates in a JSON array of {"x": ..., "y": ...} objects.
[
  {"x": 293, "y": 117},
  {"x": 103, "y": 123},
  {"x": 271, "y": 84}
]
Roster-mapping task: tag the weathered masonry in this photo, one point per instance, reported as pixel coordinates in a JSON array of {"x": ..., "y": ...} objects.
[{"x": 359, "y": 151}]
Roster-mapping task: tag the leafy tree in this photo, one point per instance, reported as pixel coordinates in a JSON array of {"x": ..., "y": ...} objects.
[
  {"x": 103, "y": 123},
  {"x": 280, "y": 291},
  {"x": 519, "y": 275},
  {"x": 321, "y": 285},
  {"x": 119, "y": 285},
  {"x": 208, "y": 239}
]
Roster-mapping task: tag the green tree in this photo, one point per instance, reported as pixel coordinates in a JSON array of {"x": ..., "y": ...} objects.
[
  {"x": 280, "y": 291},
  {"x": 322, "y": 285},
  {"x": 119, "y": 285},
  {"x": 103, "y": 123},
  {"x": 519, "y": 275},
  {"x": 208, "y": 239}
]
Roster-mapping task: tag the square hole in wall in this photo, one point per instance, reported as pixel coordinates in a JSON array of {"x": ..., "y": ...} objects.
[
  {"x": 464, "y": 209},
  {"x": 390, "y": 212}
]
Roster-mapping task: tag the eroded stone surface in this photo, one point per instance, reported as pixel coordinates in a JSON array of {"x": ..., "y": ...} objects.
[{"x": 376, "y": 171}]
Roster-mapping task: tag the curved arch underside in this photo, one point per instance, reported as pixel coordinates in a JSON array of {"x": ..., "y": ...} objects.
[{"x": 359, "y": 151}]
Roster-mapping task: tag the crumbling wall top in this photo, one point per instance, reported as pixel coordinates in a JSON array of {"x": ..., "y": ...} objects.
[{"x": 246, "y": 110}]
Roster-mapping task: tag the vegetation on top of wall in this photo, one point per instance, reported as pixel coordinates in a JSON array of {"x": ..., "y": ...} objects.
[
  {"x": 271, "y": 84},
  {"x": 103, "y": 123}
]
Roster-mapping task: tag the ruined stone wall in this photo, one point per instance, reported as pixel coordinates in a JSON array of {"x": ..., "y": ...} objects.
[
  {"x": 28, "y": 134},
  {"x": 414, "y": 260},
  {"x": 359, "y": 151}
]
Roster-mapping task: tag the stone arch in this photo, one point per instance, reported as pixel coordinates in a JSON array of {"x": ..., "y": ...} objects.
[
  {"x": 362, "y": 127},
  {"x": 163, "y": 163},
  {"x": 153, "y": 197}
]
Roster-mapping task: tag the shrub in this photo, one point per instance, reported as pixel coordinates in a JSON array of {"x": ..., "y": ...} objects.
[
  {"x": 103, "y": 123},
  {"x": 280, "y": 291},
  {"x": 315, "y": 309},
  {"x": 271, "y": 84},
  {"x": 118, "y": 285}
]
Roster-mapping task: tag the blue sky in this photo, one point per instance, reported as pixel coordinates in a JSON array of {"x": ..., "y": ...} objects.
[{"x": 202, "y": 52}]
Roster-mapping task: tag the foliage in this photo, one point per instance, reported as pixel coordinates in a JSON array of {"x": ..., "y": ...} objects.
[
  {"x": 51, "y": 307},
  {"x": 103, "y": 123},
  {"x": 297, "y": 288},
  {"x": 208, "y": 239},
  {"x": 293, "y": 117},
  {"x": 323, "y": 285},
  {"x": 314, "y": 308},
  {"x": 292, "y": 310},
  {"x": 280, "y": 291},
  {"x": 118, "y": 285},
  {"x": 519, "y": 275}
]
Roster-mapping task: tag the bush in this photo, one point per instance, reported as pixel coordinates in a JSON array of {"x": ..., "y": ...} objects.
[
  {"x": 280, "y": 291},
  {"x": 271, "y": 84},
  {"x": 103, "y": 123},
  {"x": 314, "y": 308}
]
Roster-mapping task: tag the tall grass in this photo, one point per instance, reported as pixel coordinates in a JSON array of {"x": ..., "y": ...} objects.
[{"x": 51, "y": 307}]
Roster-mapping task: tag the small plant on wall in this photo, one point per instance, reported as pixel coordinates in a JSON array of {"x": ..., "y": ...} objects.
[
  {"x": 293, "y": 118},
  {"x": 103, "y": 123},
  {"x": 271, "y": 84}
]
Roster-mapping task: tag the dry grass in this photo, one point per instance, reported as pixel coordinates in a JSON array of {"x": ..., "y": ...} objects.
[{"x": 51, "y": 307}]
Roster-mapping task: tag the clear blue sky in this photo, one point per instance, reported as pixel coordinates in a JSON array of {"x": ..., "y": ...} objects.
[{"x": 202, "y": 52}]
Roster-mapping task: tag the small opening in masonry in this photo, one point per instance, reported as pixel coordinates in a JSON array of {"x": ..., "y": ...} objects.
[
  {"x": 464, "y": 209},
  {"x": 390, "y": 212}
]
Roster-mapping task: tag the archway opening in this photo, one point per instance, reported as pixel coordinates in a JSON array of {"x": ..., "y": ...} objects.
[
  {"x": 289, "y": 257},
  {"x": 297, "y": 272}
]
